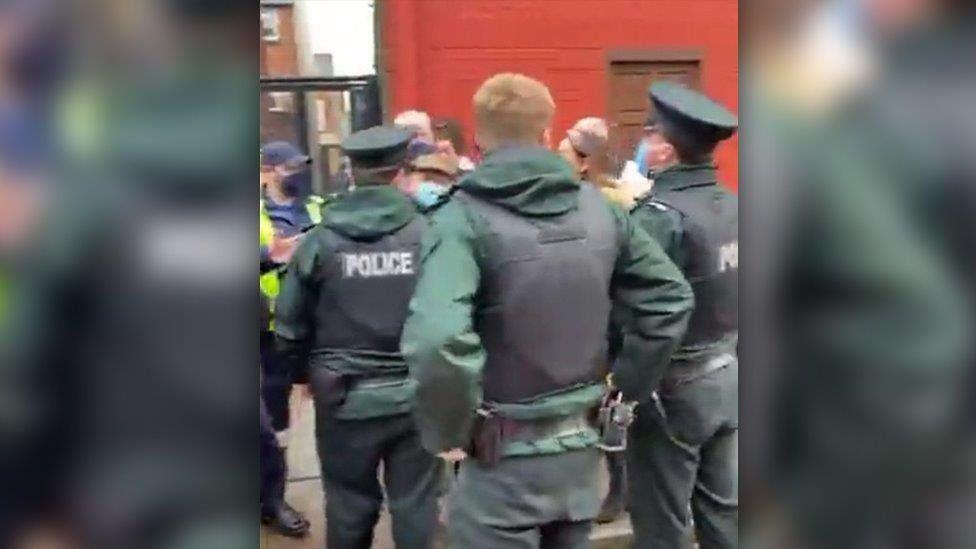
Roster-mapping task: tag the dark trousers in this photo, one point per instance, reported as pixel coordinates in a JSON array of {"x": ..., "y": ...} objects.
[
  {"x": 272, "y": 465},
  {"x": 351, "y": 452},
  {"x": 276, "y": 383},
  {"x": 685, "y": 452},
  {"x": 545, "y": 501},
  {"x": 617, "y": 470}
]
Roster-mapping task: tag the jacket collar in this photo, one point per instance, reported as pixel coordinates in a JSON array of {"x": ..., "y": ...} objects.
[
  {"x": 370, "y": 211},
  {"x": 683, "y": 176}
]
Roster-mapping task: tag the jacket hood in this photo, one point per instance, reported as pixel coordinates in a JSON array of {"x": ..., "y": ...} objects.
[
  {"x": 370, "y": 212},
  {"x": 530, "y": 181}
]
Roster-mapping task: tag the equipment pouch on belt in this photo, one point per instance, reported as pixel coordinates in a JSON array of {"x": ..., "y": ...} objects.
[
  {"x": 329, "y": 388},
  {"x": 486, "y": 445},
  {"x": 614, "y": 418}
]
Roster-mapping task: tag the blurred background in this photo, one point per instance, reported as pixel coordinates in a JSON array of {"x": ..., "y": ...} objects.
[
  {"x": 128, "y": 362},
  {"x": 129, "y": 132},
  {"x": 857, "y": 180}
]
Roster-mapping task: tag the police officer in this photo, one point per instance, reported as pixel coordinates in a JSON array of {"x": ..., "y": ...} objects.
[
  {"x": 684, "y": 443},
  {"x": 507, "y": 334},
  {"x": 289, "y": 214},
  {"x": 275, "y": 511},
  {"x": 339, "y": 316},
  {"x": 285, "y": 214},
  {"x": 285, "y": 184}
]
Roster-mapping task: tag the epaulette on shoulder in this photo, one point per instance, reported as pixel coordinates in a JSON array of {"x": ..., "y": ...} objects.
[{"x": 651, "y": 202}]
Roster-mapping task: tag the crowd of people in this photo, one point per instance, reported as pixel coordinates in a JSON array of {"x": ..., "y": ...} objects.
[{"x": 506, "y": 316}]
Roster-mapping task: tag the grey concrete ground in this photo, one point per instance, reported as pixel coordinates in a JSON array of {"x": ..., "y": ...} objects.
[{"x": 305, "y": 494}]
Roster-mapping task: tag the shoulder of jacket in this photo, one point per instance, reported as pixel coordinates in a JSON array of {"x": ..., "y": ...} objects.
[
  {"x": 653, "y": 203},
  {"x": 658, "y": 205},
  {"x": 436, "y": 205}
]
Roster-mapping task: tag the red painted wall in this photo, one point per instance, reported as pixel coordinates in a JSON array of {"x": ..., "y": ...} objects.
[{"x": 437, "y": 52}]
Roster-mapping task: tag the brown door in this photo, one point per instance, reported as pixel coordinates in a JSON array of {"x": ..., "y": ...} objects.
[{"x": 628, "y": 102}]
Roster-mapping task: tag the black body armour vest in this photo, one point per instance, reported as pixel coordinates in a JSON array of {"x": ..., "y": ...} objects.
[
  {"x": 367, "y": 287},
  {"x": 710, "y": 248},
  {"x": 544, "y": 303}
]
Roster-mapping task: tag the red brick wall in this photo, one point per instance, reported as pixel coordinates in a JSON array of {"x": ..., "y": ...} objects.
[
  {"x": 436, "y": 52},
  {"x": 281, "y": 58}
]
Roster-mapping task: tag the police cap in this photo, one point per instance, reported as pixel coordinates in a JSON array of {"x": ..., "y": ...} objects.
[
  {"x": 377, "y": 147},
  {"x": 689, "y": 117}
]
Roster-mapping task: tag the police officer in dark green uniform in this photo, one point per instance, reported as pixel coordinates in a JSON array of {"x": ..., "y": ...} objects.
[
  {"x": 684, "y": 444},
  {"x": 339, "y": 316},
  {"x": 507, "y": 336}
]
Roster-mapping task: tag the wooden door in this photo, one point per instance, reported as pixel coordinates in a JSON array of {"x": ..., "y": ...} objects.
[{"x": 629, "y": 105}]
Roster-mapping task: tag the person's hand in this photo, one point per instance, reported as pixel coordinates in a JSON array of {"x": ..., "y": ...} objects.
[
  {"x": 633, "y": 182},
  {"x": 281, "y": 248},
  {"x": 453, "y": 456}
]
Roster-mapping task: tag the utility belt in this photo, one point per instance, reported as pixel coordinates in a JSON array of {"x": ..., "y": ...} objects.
[
  {"x": 494, "y": 432},
  {"x": 330, "y": 384},
  {"x": 682, "y": 370}
]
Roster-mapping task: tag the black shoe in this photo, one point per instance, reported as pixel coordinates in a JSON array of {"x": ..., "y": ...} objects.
[
  {"x": 286, "y": 521},
  {"x": 611, "y": 510}
]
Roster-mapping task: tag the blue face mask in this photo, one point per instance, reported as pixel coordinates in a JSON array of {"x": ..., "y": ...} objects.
[
  {"x": 640, "y": 157},
  {"x": 297, "y": 185},
  {"x": 429, "y": 193}
]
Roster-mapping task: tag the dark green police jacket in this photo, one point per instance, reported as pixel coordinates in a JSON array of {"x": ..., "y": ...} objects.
[
  {"x": 664, "y": 224},
  {"x": 366, "y": 213},
  {"x": 651, "y": 305}
]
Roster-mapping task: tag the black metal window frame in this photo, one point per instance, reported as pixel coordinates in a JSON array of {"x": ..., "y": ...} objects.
[{"x": 366, "y": 87}]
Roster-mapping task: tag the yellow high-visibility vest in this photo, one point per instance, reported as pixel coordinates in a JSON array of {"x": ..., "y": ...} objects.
[{"x": 269, "y": 282}]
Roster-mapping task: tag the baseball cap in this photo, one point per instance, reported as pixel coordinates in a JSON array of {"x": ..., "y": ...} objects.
[
  {"x": 418, "y": 147},
  {"x": 277, "y": 153},
  {"x": 438, "y": 162},
  {"x": 589, "y": 135}
]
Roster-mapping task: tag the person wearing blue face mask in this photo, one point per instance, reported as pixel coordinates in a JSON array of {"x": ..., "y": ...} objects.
[
  {"x": 432, "y": 177},
  {"x": 285, "y": 179},
  {"x": 286, "y": 213},
  {"x": 643, "y": 146}
]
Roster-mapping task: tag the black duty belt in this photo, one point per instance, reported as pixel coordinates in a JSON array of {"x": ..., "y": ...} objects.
[
  {"x": 521, "y": 430},
  {"x": 493, "y": 432},
  {"x": 683, "y": 371}
]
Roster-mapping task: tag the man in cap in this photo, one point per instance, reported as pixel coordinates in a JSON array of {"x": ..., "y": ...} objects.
[
  {"x": 415, "y": 149},
  {"x": 285, "y": 185},
  {"x": 285, "y": 212},
  {"x": 684, "y": 444},
  {"x": 432, "y": 177},
  {"x": 507, "y": 337},
  {"x": 586, "y": 149},
  {"x": 340, "y": 313}
]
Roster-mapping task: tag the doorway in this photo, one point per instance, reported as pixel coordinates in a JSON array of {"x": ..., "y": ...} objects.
[{"x": 630, "y": 74}]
